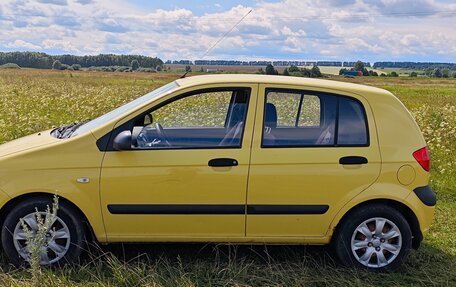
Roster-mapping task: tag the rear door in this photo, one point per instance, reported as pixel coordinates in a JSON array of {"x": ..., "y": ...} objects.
[{"x": 313, "y": 151}]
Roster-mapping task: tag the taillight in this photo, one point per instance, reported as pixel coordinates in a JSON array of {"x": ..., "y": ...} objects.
[{"x": 423, "y": 157}]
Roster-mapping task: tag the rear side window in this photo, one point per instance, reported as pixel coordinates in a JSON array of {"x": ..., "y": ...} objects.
[
  {"x": 296, "y": 109},
  {"x": 295, "y": 118},
  {"x": 286, "y": 104},
  {"x": 310, "y": 115}
]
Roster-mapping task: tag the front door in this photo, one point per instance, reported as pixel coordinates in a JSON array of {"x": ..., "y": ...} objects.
[
  {"x": 186, "y": 174},
  {"x": 315, "y": 151}
]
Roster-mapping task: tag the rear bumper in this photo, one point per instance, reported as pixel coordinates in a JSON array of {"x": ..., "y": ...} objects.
[
  {"x": 422, "y": 202},
  {"x": 426, "y": 195}
]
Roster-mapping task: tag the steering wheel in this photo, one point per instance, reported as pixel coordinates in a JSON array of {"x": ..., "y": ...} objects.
[{"x": 161, "y": 134}]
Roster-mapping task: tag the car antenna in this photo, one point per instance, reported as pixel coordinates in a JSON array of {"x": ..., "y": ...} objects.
[{"x": 220, "y": 39}]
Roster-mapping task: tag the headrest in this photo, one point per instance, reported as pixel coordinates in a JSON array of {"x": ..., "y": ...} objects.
[{"x": 271, "y": 116}]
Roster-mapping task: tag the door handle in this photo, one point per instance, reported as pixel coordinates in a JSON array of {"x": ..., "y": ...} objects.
[
  {"x": 221, "y": 162},
  {"x": 347, "y": 160}
]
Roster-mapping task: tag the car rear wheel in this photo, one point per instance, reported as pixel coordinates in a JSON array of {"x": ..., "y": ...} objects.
[
  {"x": 375, "y": 237},
  {"x": 63, "y": 242}
]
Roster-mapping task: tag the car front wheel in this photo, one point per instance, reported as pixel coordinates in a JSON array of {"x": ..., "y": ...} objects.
[
  {"x": 62, "y": 243},
  {"x": 375, "y": 237}
]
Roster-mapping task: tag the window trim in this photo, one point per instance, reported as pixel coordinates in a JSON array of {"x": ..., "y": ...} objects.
[
  {"x": 128, "y": 125},
  {"x": 298, "y": 115},
  {"x": 336, "y": 129}
]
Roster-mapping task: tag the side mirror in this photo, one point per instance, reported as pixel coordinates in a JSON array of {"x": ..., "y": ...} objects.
[{"x": 122, "y": 141}]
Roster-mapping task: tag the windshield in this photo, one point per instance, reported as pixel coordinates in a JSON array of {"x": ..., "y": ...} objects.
[{"x": 123, "y": 109}]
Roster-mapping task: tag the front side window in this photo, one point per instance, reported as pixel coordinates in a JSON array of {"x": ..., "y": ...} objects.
[
  {"x": 294, "y": 118},
  {"x": 206, "y": 119},
  {"x": 205, "y": 110}
]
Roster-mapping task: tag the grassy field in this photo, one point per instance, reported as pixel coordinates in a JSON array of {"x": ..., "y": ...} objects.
[{"x": 34, "y": 100}]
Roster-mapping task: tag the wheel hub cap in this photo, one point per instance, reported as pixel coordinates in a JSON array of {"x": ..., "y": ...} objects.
[{"x": 376, "y": 242}]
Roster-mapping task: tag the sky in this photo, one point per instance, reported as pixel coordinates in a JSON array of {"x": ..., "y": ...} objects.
[{"x": 344, "y": 30}]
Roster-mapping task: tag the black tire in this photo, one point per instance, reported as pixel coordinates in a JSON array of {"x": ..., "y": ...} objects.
[
  {"x": 65, "y": 212},
  {"x": 344, "y": 232}
]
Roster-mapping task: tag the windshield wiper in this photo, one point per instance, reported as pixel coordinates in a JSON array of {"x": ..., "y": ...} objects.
[{"x": 66, "y": 131}]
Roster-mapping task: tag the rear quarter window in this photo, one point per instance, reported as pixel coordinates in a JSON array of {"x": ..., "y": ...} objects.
[{"x": 352, "y": 129}]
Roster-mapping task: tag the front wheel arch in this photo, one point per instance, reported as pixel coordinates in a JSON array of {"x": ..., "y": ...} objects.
[
  {"x": 36, "y": 195},
  {"x": 409, "y": 215}
]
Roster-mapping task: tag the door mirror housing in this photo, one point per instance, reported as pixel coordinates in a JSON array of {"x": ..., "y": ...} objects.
[{"x": 123, "y": 141}]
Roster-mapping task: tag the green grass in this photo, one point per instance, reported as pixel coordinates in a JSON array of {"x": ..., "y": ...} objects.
[{"x": 34, "y": 100}]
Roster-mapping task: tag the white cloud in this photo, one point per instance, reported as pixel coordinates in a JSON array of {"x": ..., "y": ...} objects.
[
  {"x": 410, "y": 40},
  {"x": 55, "y": 2},
  {"x": 299, "y": 29},
  {"x": 20, "y": 44},
  {"x": 111, "y": 25},
  {"x": 59, "y": 44},
  {"x": 84, "y": 2}
]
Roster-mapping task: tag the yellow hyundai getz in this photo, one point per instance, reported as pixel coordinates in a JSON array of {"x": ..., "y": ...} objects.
[{"x": 228, "y": 158}]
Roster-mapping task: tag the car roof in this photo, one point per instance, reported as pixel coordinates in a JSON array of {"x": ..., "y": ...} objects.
[{"x": 279, "y": 80}]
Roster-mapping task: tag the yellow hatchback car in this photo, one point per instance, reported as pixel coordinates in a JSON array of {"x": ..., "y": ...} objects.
[{"x": 228, "y": 158}]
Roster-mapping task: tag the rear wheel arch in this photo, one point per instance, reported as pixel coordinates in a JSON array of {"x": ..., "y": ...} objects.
[
  {"x": 408, "y": 214},
  {"x": 6, "y": 208}
]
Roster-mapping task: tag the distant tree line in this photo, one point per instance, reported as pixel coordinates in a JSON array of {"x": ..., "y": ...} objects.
[
  {"x": 263, "y": 63},
  {"x": 438, "y": 73},
  {"x": 360, "y": 67},
  {"x": 294, "y": 71},
  {"x": 45, "y": 61},
  {"x": 414, "y": 65},
  {"x": 347, "y": 64},
  {"x": 429, "y": 72},
  {"x": 134, "y": 67}
]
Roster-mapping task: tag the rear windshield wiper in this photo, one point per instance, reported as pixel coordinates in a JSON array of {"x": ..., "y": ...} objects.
[{"x": 66, "y": 131}]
